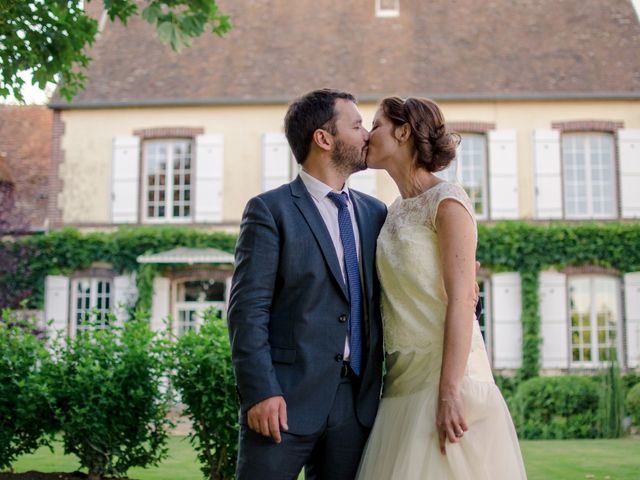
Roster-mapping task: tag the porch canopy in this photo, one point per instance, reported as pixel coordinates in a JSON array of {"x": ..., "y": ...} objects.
[{"x": 188, "y": 256}]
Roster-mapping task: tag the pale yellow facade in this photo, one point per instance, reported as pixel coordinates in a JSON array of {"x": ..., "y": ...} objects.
[{"x": 87, "y": 145}]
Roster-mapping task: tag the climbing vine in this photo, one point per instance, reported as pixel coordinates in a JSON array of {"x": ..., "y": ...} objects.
[{"x": 504, "y": 246}]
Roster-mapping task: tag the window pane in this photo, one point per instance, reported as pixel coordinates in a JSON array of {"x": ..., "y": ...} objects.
[
  {"x": 588, "y": 173},
  {"x": 201, "y": 291},
  {"x": 595, "y": 315},
  {"x": 93, "y": 303}
]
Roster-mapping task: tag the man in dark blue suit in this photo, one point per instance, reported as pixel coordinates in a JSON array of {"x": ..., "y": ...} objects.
[{"x": 304, "y": 318}]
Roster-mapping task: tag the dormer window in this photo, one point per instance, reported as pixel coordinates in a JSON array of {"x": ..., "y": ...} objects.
[{"x": 387, "y": 8}]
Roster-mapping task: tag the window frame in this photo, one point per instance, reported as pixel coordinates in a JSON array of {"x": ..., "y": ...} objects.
[
  {"x": 385, "y": 12},
  {"x": 197, "y": 307},
  {"x": 485, "y": 295},
  {"x": 586, "y": 134},
  {"x": 93, "y": 281},
  {"x": 593, "y": 323},
  {"x": 169, "y": 185},
  {"x": 456, "y": 175}
]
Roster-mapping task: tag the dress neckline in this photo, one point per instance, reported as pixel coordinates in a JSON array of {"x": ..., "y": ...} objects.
[{"x": 401, "y": 200}]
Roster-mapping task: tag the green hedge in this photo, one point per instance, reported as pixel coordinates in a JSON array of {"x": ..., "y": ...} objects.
[
  {"x": 557, "y": 408},
  {"x": 503, "y": 246},
  {"x": 632, "y": 404},
  {"x": 107, "y": 394},
  {"x": 26, "y": 417},
  {"x": 204, "y": 379}
]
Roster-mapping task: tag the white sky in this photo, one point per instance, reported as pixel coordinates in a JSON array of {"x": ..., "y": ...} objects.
[{"x": 32, "y": 94}]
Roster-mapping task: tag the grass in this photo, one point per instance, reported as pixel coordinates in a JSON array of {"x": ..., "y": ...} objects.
[{"x": 544, "y": 459}]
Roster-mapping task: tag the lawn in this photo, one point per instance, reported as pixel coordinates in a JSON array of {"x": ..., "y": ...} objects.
[{"x": 545, "y": 460}]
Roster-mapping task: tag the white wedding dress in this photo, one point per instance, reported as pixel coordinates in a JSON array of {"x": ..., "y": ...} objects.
[{"x": 404, "y": 443}]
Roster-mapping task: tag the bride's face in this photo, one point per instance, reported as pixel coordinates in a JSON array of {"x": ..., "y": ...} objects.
[{"x": 382, "y": 141}]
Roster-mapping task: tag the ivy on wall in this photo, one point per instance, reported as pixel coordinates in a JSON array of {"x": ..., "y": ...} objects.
[
  {"x": 27, "y": 261},
  {"x": 504, "y": 246}
]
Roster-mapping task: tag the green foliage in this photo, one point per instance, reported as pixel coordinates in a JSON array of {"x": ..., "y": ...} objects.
[
  {"x": 204, "y": 379},
  {"x": 629, "y": 380},
  {"x": 531, "y": 248},
  {"x": 557, "y": 408},
  {"x": 67, "y": 250},
  {"x": 611, "y": 406},
  {"x": 508, "y": 387},
  {"x": 530, "y": 326},
  {"x": 632, "y": 404},
  {"x": 50, "y": 37},
  {"x": 504, "y": 246},
  {"x": 109, "y": 397},
  {"x": 26, "y": 419}
]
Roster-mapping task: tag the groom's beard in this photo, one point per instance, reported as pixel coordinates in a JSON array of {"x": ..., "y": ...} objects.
[{"x": 348, "y": 159}]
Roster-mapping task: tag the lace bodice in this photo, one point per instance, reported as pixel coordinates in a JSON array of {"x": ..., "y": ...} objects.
[{"x": 413, "y": 298}]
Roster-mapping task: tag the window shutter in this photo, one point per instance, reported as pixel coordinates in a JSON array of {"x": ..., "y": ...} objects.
[
  {"x": 160, "y": 304},
  {"x": 548, "y": 178},
  {"x": 553, "y": 319},
  {"x": 507, "y": 327},
  {"x": 364, "y": 181},
  {"x": 125, "y": 178},
  {"x": 629, "y": 151},
  {"x": 503, "y": 174},
  {"x": 209, "y": 176},
  {"x": 125, "y": 294},
  {"x": 276, "y": 161},
  {"x": 632, "y": 315},
  {"x": 56, "y": 304}
]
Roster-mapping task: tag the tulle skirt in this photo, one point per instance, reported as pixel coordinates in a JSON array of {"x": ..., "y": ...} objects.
[{"x": 404, "y": 442}]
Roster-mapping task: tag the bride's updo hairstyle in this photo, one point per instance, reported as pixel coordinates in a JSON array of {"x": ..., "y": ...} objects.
[{"x": 436, "y": 146}]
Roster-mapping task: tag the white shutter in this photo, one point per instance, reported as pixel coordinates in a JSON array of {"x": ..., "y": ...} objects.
[
  {"x": 548, "y": 178},
  {"x": 125, "y": 177},
  {"x": 503, "y": 174},
  {"x": 160, "y": 304},
  {"x": 632, "y": 315},
  {"x": 276, "y": 161},
  {"x": 629, "y": 151},
  {"x": 56, "y": 304},
  {"x": 209, "y": 174},
  {"x": 507, "y": 326},
  {"x": 364, "y": 181},
  {"x": 125, "y": 294},
  {"x": 553, "y": 320}
]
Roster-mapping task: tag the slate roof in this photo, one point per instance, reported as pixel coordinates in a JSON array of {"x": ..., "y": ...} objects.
[
  {"x": 446, "y": 49},
  {"x": 25, "y": 146}
]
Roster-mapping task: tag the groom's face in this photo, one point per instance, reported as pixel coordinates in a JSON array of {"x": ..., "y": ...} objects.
[{"x": 350, "y": 140}]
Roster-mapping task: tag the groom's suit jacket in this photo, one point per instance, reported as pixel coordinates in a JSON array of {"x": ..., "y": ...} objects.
[{"x": 289, "y": 307}]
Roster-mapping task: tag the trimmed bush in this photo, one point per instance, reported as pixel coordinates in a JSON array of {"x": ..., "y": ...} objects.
[
  {"x": 611, "y": 405},
  {"x": 203, "y": 376},
  {"x": 26, "y": 419},
  {"x": 110, "y": 400},
  {"x": 557, "y": 408},
  {"x": 632, "y": 404}
]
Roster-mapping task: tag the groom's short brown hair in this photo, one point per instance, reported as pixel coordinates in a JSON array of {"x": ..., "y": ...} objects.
[{"x": 308, "y": 113}]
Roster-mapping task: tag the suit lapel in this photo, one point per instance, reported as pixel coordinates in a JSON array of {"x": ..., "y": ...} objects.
[{"x": 302, "y": 199}]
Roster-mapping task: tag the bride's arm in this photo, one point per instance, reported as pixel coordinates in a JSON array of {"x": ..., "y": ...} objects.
[{"x": 457, "y": 242}]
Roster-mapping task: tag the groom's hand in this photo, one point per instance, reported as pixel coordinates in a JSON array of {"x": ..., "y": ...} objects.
[{"x": 268, "y": 417}]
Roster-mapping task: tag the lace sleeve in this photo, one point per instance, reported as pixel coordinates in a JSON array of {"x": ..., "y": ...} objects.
[{"x": 452, "y": 191}]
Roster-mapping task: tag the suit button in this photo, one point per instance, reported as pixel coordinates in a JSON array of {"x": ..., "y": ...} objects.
[
  {"x": 339, "y": 357},
  {"x": 342, "y": 318}
]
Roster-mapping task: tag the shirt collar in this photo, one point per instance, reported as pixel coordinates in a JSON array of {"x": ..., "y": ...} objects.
[{"x": 317, "y": 188}]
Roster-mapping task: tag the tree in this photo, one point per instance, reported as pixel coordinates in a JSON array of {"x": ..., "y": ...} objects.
[{"x": 49, "y": 37}]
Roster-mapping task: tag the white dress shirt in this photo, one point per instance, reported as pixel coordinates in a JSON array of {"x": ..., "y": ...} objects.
[{"x": 329, "y": 213}]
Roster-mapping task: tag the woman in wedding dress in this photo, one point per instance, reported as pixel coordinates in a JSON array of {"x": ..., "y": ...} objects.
[{"x": 441, "y": 415}]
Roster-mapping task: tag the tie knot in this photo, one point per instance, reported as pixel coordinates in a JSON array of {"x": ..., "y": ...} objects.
[{"x": 340, "y": 199}]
